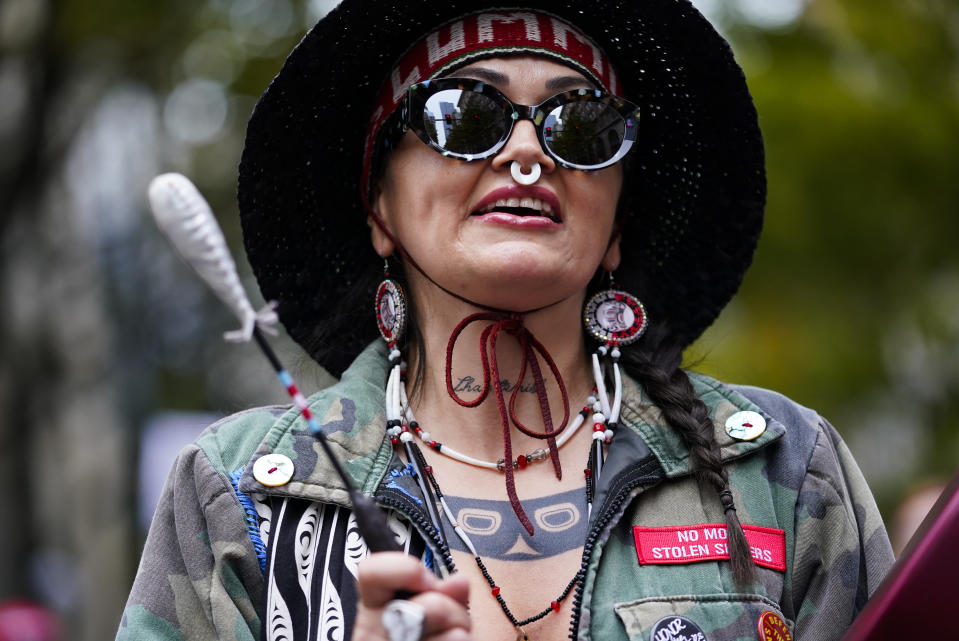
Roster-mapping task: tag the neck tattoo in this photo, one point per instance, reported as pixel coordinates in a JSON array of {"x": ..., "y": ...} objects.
[{"x": 471, "y": 384}]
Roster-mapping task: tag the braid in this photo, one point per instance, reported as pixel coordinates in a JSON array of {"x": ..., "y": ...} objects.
[{"x": 655, "y": 363}]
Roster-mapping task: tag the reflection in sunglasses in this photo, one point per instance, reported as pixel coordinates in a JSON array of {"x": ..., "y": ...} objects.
[{"x": 470, "y": 120}]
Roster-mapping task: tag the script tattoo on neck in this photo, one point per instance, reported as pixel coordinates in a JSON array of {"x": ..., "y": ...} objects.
[
  {"x": 470, "y": 384},
  {"x": 560, "y": 522}
]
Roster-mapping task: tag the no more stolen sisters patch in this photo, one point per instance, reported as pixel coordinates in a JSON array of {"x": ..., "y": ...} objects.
[{"x": 707, "y": 542}]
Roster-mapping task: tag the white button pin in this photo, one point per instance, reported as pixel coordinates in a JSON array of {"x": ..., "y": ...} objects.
[
  {"x": 745, "y": 426},
  {"x": 272, "y": 470}
]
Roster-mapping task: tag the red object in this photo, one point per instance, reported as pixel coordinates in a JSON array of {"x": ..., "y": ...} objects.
[
  {"x": 495, "y": 590},
  {"x": 707, "y": 542},
  {"x": 588, "y": 472},
  {"x": 555, "y": 606},
  {"x": 771, "y": 627},
  {"x": 521, "y": 461},
  {"x": 512, "y": 324},
  {"x": 916, "y": 598}
]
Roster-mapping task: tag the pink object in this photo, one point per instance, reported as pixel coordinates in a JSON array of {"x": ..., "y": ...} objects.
[
  {"x": 510, "y": 220},
  {"x": 22, "y": 620},
  {"x": 919, "y": 595}
]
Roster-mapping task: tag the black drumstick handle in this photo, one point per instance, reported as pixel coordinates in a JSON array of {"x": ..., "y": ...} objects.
[
  {"x": 372, "y": 524},
  {"x": 370, "y": 519}
]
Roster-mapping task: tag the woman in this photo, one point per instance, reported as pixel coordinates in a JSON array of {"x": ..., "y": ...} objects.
[{"x": 524, "y": 239}]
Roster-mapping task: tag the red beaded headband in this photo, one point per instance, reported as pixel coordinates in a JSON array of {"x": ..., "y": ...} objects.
[{"x": 482, "y": 35}]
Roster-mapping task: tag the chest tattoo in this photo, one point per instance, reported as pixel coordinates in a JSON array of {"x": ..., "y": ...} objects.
[{"x": 559, "y": 521}]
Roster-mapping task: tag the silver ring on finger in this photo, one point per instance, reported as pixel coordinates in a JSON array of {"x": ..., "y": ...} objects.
[{"x": 403, "y": 620}]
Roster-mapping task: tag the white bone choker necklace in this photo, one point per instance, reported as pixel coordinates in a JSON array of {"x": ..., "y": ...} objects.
[{"x": 520, "y": 462}]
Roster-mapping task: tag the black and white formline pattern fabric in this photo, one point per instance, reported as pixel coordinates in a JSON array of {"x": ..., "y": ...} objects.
[{"x": 312, "y": 556}]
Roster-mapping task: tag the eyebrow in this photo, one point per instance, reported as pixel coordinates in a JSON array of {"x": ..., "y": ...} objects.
[
  {"x": 488, "y": 75},
  {"x": 556, "y": 83},
  {"x": 563, "y": 83}
]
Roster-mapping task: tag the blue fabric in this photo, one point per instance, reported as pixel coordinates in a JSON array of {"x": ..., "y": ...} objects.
[{"x": 252, "y": 519}]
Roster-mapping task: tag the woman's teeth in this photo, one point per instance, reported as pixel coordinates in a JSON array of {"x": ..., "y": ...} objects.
[{"x": 524, "y": 203}]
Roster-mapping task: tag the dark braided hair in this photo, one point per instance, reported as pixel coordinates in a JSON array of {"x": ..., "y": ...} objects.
[{"x": 654, "y": 362}]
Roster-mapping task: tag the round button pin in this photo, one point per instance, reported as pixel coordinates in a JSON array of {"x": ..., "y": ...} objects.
[
  {"x": 272, "y": 470},
  {"x": 745, "y": 426},
  {"x": 773, "y": 628},
  {"x": 676, "y": 628}
]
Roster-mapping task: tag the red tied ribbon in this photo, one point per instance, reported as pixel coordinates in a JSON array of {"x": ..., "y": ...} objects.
[{"x": 512, "y": 324}]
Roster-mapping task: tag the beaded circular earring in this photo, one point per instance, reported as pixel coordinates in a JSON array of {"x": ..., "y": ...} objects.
[{"x": 613, "y": 317}]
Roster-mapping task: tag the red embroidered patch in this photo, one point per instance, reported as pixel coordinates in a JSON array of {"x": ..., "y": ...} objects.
[{"x": 707, "y": 542}]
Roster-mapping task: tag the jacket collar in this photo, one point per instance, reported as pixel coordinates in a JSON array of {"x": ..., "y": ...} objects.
[
  {"x": 721, "y": 401},
  {"x": 353, "y": 419},
  {"x": 352, "y": 416}
]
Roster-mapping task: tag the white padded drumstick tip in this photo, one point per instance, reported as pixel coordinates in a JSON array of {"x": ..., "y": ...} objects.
[{"x": 185, "y": 217}]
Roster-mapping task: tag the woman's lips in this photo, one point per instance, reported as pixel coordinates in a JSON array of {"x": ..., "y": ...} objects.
[
  {"x": 513, "y": 220},
  {"x": 515, "y": 203}
]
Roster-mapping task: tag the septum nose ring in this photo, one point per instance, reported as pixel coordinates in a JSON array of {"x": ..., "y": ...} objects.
[{"x": 525, "y": 179}]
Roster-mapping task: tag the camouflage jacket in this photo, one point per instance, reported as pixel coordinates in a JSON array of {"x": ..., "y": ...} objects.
[{"x": 201, "y": 575}]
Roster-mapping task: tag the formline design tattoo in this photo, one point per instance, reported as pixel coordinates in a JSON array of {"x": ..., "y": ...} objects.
[{"x": 559, "y": 519}]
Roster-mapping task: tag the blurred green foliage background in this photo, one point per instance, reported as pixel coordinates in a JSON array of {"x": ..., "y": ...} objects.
[{"x": 851, "y": 307}]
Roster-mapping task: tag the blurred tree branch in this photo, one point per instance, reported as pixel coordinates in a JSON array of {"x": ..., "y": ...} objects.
[
  {"x": 21, "y": 187},
  {"x": 27, "y": 176}
]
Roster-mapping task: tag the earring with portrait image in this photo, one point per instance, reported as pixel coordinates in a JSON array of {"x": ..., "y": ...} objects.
[
  {"x": 614, "y": 318},
  {"x": 390, "y": 308},
  {"x": 391, "y": 318}
]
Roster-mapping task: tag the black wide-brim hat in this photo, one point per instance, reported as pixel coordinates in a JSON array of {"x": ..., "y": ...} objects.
[{"x": 693, "y": 193}]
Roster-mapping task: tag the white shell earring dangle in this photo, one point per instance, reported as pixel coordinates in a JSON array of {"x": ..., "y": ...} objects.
[
  {"x": 613, "y": 317},
  {"x": 525, "y": 179}
]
